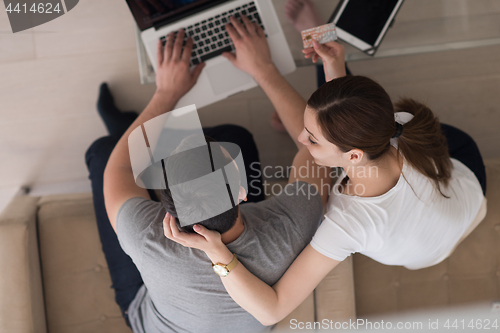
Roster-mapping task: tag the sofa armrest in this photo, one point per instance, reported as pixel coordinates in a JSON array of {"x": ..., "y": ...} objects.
[
  {"x": 21, "y": 302},
  {"x": 334, "y": 296}
]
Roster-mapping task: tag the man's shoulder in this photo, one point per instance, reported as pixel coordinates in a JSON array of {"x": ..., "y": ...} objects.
[
  {"x": 278, "y": 228},
  {"x": 284, "y": 193},
  {"x": 135, "y": 215},
  {"x": 137, "y": 208},
  {"x": 297, "y": 204},
  {"x": 298, "y": 196}
]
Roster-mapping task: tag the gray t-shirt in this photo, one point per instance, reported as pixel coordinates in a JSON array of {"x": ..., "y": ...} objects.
[{"x": 181, "y": 292}]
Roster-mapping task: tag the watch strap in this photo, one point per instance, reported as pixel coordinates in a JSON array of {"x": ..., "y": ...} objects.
[
  {"x": 233, "y": 263},
  {"x": 229, "y": 266}
]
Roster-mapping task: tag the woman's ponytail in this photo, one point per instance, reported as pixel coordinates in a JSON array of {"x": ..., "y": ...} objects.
[{"x": 423, "y": 144}]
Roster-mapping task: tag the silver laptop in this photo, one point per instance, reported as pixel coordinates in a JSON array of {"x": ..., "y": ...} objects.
[{"x": 204, "y": 21}]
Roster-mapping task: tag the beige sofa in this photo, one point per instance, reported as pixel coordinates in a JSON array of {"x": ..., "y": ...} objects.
[{"x": 54, "y": 278}]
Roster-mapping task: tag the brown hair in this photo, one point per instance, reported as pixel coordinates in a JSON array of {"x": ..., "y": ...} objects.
[{"x": 356, "y": 112}]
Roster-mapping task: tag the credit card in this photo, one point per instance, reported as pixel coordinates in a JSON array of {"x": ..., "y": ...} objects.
[{"x": 323, "y": 34}]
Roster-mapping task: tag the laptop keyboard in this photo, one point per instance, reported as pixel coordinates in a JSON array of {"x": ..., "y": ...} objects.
[{"x": 210, "y": 37}]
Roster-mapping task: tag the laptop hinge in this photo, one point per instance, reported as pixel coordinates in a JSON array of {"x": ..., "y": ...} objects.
[{"x": 180, "y": 16}]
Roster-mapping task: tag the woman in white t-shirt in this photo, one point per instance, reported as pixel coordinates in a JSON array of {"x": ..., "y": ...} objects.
[{"x": 401, "y": 199}]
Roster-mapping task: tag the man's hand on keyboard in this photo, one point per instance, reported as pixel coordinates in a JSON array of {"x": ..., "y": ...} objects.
[
  {"x": 252, "y": 52},
  {"x": 173, "y": 76}
]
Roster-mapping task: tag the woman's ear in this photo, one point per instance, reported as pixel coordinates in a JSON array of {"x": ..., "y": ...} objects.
[
  {"x": 355, "y": 156},
  {"x": 242, "y": 194}
]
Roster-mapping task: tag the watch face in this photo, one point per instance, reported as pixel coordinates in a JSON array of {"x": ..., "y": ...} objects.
[{"x": 220, "y": 270}]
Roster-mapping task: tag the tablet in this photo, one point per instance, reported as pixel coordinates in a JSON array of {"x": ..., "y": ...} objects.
[{"x": 363, "y": 23}]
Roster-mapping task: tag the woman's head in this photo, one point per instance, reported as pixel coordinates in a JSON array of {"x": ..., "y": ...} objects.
[
  {"x": 351, "y": 114},
  {"x": 350, "y": 120}
]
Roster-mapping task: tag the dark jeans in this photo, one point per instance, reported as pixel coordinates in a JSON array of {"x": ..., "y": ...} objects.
[
  {"x": 126, "y": 279},
  {"x": 463, "y": 148},
  {"x": 460, "y": 145},
  {"x": 320, "y": 74}
]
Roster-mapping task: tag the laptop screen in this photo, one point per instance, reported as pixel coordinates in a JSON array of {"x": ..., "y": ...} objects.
[{"x": 149, "y": 13}]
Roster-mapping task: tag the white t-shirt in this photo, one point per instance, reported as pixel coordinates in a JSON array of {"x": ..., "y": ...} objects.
[{"x": 401, "y": 227}]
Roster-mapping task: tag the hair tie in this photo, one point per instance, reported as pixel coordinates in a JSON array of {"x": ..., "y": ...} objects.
[{"x": 399, "y": 130}]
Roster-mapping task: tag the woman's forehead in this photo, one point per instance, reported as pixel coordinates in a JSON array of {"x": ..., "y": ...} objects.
[{"x": 310, "y": 122}]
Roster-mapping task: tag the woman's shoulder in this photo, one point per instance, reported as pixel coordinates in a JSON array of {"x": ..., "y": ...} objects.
[{"x": 349, "y": 213}]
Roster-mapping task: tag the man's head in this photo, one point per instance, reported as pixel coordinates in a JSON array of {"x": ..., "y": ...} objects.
[{"x": 200, "y": 197}]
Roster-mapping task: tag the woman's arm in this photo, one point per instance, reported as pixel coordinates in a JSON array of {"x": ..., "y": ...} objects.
[
  {"x": 267, "y": 304},
  {"x": 270, "y": 305},
  {"x": 333, "y": 56},
  {"x": 254, "y": 57}
]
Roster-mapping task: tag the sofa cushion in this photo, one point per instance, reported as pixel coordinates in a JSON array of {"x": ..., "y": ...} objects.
[
  {"x": 21, "y": 294},
  {"x": 471, "y": 274},
  {"x": 78, "y": 294}
]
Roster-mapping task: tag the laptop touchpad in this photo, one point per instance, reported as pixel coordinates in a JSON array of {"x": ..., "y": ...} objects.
[{"x": 225, "y": 77}]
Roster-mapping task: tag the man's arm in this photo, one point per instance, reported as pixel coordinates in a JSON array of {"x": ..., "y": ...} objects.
[
  {"x": 254, "y": 57},
  {"x": 173, "y": 80}
]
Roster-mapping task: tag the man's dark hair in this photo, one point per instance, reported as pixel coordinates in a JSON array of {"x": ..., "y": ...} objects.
[{"x": 203, "y": 190}]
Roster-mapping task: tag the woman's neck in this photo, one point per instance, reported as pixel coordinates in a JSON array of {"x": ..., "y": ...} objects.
[{"x": 374, "y": 179}]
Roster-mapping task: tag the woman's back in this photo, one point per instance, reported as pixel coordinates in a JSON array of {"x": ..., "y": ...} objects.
[{"x": 412, "y": 225}]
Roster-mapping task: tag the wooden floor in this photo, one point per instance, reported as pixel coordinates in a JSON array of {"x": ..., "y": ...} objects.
[{"x": 50, "y": 77}]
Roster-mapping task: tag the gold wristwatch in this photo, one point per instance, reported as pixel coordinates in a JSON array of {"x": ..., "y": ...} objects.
[{"x": 223, "y": 270}]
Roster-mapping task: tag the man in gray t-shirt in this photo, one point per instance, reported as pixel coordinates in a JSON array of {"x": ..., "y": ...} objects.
[
  {"x": 181, "y": 293},
  {"x": 162, "y": 286}
]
